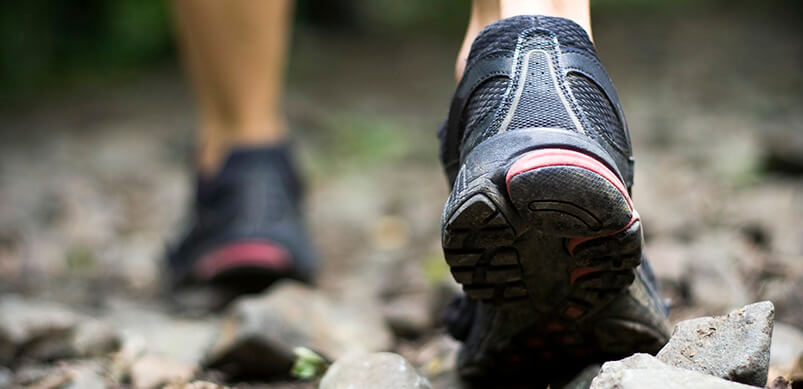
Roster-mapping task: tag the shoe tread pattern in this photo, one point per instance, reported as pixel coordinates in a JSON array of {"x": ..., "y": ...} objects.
[{"x": 513, "y": 252}]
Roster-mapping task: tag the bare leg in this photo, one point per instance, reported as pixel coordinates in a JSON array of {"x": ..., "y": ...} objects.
[
  {"x": 484, "y": 12},
  {"x": 235, "y": 53}
]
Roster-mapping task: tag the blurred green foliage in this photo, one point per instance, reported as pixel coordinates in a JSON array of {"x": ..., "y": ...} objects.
[
  {"x": 44, "y": 43},
  {"x": 53, "y": 43}
]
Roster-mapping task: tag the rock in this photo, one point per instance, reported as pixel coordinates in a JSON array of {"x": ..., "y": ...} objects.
[
  {"x": 34, "y": 328},
  {"x": 154, "y": 371},
  {"x": 786, "y": 294},
  {"x": 85, "y": 376},
  {"x": 29, "y": 374},
  {"x": 637, "y": 361},
  {"x": 408, "y": 315},
  {"x": 581, "y": 380},
  {"x": 796, "y": 376},
  {"x": 449, "y": 380},
  {"x": 147, "y": 335},
  {"x": 436, "y": 356},
  {"x": 259, "y": 333},
  {"x": 57, "y": 379},
  {"x": 94, "y": 338},
  {"x": 793, "y": 372},
  {"x": 713, "y": 280},
  {"x": 669, "y": 258},
  {"x": 156, "y": 332},
  {"x": 194, "y": 385},
  {"x": 76, "y": 374},
  {"x": 769, "y": 215},
  {"x": 132, "y": 348},
  {"x": 779, "y": 383},
  {"x": 414, "y": 292},
  {"x": 716, "y": 287},
  {"x": 786, "y": 350},
  {"x": 199, "y": 300},
  {"x": 735, "y": 347},
  {"x": 42, "y": 330},
  {"x": 378, "y": 370},
  {"x": 783, "y": 151},
  {"x": 645, "y": 371},
  {"x": 5, "y": 378},
  {"x": 390, "y": 233}
]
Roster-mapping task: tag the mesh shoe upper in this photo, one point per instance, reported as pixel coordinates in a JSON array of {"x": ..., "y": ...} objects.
[
  {"x": 255, "y": 197},
  {"x": 532, "y": 72}
]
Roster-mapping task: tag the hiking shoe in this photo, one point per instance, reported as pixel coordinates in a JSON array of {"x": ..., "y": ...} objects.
[
  {"x": 540, "y": 228},
  {"x": 247, "y": 229}
]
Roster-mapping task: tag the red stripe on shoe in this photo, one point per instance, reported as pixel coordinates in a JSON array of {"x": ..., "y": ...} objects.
[
  {"x": 572, "y": 243},
  {"x": 563, "y": 157},
  {"x": 261, "y": 254}
]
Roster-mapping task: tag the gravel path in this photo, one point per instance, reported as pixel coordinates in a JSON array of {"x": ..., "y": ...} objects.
[{"x": 93, "y": 183}]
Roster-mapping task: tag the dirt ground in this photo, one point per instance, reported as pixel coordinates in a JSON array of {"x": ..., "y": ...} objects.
[{"x": 94, "y": 182}]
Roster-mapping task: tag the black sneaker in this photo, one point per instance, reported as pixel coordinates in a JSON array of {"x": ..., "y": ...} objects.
[
  {"x": 539, "y": 228},
  {"x": 247, "y": 230}
]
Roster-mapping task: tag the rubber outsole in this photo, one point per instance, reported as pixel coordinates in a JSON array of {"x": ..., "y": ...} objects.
[{"x": 549, "y": 247}]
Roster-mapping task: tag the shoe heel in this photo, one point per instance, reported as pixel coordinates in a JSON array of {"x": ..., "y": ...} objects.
[{"x": 567, "y": 193}]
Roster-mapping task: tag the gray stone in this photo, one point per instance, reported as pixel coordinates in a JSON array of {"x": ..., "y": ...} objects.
[
  {"x": 156, "y": 348},
  {"x": 714, "y": 282},
  {"x": 414, "y": 294},
  {"x": 155, "y": 332},
  {"x": 155, "y": 371},
  {"x": 5, "y": 378},
  {"x": 34, "y": 328},
  {"x": 132, "y": 348},
  {"x": 786, "y": 294},
  {"x": 449, "y": 380},
  {"x": 75, "y": 374},
  {"x": 783, "y": 149},
  {"x": 86, "y": 375},
  {"x": 259, "y": 333},
  {"x": 666, "y": 379},
  {"x": 195, "y": 385},
  {"x": 669, "y": 258},
  {"x": 94, "y": 338},
  {"x": 408, "y": 315},
  {"x": 786, "y": 349},
  {"x": 378, "y": 370},
  {"x": 42, "y": 330},
  {"x": 735, "y": 346},
  {"x": 436, "y": 356},
  {"x": 644, "y": 371},
  {"x": 581, "y": 380},
  {"x": 31, "y": 374},
  {"x": 779, "y": 383}
]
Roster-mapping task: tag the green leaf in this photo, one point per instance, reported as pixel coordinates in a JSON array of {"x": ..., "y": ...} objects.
[{"x": 309, "y": 364}]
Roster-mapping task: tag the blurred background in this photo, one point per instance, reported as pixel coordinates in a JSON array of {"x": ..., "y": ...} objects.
[{"x": 96, "y": 123}]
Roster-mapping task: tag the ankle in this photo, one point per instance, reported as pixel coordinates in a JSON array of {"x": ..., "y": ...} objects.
[
  {"x": 485, "y": 12},
  {"x": 216, "y": 144},
  {"x": 578, "y": 11}
]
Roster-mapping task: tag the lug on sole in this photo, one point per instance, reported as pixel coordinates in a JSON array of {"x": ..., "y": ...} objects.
[{"x": 560, "y": 245}]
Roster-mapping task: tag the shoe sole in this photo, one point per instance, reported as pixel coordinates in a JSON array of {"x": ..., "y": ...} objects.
[
  {"x": 552, "y": 245},
  {"x": 247, "y": 266}
]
